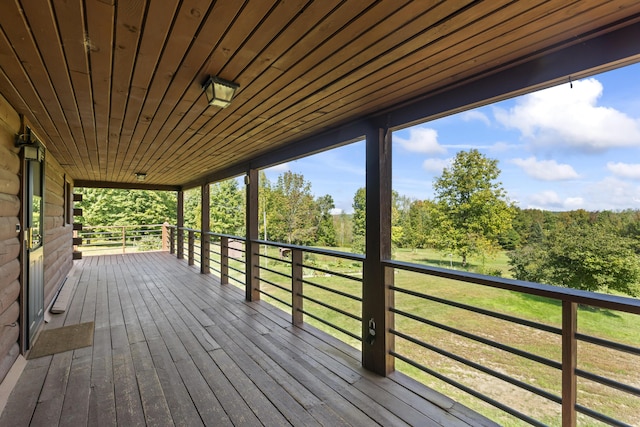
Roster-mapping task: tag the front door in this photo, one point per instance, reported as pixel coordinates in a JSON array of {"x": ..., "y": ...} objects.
[{"x": 34, "y": 203}]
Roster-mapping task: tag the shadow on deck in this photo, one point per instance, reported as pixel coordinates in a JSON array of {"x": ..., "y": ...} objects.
[{"x": 172, "y": 346}]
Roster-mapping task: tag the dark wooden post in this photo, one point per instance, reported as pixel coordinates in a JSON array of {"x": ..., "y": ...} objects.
[
  {"x": 190, "y": 247},
  {"x": 224, "y": 260},
  {"x": 376, "y": 295},
  {"x": 205, "y": 237},
  {"x": 296, "y": 287},
  {"x": 252, "y": 283},
  {"x": 569, "y": 362},
  {"x": 180, "y": 225}
]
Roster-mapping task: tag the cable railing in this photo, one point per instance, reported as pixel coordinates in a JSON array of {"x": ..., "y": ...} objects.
[
  {"x": 547, "y": 359},
  {"x": 293, "y": 278},
  {"x": 100, "y": 240},
  {"x": 442, "y": 330}
]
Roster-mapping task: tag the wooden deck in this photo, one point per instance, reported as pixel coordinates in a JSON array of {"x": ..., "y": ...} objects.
[{"x": 173, "y": 347}]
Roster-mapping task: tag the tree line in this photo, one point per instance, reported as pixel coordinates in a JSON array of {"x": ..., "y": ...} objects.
[{"x": 470, "y": 215}]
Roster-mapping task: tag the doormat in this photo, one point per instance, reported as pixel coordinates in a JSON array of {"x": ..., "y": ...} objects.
[{"x": 58, "y": 340}]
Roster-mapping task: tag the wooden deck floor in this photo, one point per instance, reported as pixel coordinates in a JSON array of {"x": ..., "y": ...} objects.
[{"x": 173, "y": 347}]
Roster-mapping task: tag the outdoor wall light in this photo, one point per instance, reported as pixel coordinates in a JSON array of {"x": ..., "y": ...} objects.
[
  {"x": 141, "y": 176},
  {"x": 219, "y": 92}
]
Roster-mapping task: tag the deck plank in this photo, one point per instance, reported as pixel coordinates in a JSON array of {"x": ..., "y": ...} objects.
[{"x": 174, "y": 347}]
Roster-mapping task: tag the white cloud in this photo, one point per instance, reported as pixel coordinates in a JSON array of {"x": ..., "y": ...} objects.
[
  {"x": 551, "y": 200},
  {"x": 500, "y": 147},
  {"x": 282, "y": 167},
  {"x": 566, "y": 117},
  {"x": 436, "y": 166},
  {"x": 613, "y": 194},
  {"x": 421, "y": 140},
  {"x": 468, "y": 116},
  {"x": 625, "y": 170},
  {"x": 546, "y": 170}
]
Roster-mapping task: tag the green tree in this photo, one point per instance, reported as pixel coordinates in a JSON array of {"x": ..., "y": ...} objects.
[
  {"x": 582, "y": 255},
  {"x": 192, "y": 208},
  {"x": 227, "y": 208},
  {"x": 108, "y": 206},
  {"x": 471, "y": 208},
  {"x": 359, "y": 220},
  {"x": 419, "y": 228},
  {"x": 325, "y": 231},
  {"x": 295, "y": 215}
]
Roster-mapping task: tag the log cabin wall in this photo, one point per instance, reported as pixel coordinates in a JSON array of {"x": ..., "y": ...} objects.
[
  {"x": 9, "y": 238},
  {"x": 58, "y": 230},
  {"x": 58, "y": 233}
]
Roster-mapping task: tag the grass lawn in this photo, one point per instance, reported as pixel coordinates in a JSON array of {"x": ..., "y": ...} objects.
[{"x": 615, "y": 326}]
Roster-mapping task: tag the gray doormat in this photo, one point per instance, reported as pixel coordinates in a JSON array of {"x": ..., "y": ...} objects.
[{"x": 58, "y": 340}]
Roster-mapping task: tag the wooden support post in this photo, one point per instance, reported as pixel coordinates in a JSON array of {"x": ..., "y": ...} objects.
[
  {"x": 569, "y": 363},
  {"x": 252, "y": 284},
  {"x": 296, "y": 287},
  {"x": 165, "y": 237},
  {"x": 190, "y": 247},
  {"x": 205, "y": 237},
  {"x": 376, "y": 295},
  {"x": 180, "y": 225},
  {"x": 224, "y": 260},
  {"x": 172, "y": 240}
]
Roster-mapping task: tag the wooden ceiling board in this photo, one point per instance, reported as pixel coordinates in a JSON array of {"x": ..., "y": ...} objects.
[
  {"x": 43, "y": 29},
  {"x": 414, "y": 80},
  {"x": 177, "y": 116},
  {"x": 99, "y": 42},
  {"x": 115, "y": 87},
  {"x": 77, "y": 60},
  {"x": 129, "y": 21},
  {"x": 189, "y": 18},
  {"x": 264, "y": 87},
  {"x": 192, "y": 164},
  {"x": 373, "y": 61},
  {"x": 22, "y": 64},
  {"x": 160, "y": 16},
  {"x": 297, "y": 90}
]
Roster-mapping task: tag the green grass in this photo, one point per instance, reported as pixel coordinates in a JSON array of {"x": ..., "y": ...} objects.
[{"x": 615, "y": 326}]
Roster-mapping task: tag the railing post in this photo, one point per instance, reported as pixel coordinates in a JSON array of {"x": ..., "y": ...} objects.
[
  {"x": 205, "y": 237},
  {"x": 252, "y": 272},
  {"x": 569, "y": 363},
  {"x": 190, "y": 243},
  {"x": 180, "y": 226},
  {"x": 165, "y": 237},
  {"x": 224, "y": 260},
  {"x": 172, "y": 240},
  {"x": 296, "y": 287},
  {"x": 124, "y": 240}
]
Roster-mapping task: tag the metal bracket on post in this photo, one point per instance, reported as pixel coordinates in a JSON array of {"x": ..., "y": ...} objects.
[{"x": 371, "y": 336}]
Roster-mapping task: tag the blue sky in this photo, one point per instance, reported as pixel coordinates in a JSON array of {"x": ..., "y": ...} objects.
[{"x": 561, "y": 148}]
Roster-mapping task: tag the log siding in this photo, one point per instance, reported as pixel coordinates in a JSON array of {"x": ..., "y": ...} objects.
[{"x": 57, "y": 235}]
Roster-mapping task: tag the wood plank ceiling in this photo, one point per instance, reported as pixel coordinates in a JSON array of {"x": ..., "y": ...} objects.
[{"x": 114, "y": 88}]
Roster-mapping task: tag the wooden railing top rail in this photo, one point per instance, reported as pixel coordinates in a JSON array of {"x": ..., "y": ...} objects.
[
  {"x": 319, "y": 251},
  {"x": 613, "y": 302},
  {"x": 84, "y": 227}
]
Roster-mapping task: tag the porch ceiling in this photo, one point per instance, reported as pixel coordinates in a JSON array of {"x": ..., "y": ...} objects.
[{"x": 114, "y": 89}]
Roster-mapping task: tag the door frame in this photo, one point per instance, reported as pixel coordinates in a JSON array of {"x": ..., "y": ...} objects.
[{"x": 29, "y": 144}]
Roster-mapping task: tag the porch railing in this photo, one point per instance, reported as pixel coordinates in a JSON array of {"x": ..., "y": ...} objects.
[
  {"x": 459, "y": 323},
  {"x": 97, "y": 240}
]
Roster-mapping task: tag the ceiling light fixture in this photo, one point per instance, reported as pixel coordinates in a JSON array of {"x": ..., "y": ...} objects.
[
  {"x": 219, "y": 92},
  {"x": 141, "y": 176}
]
